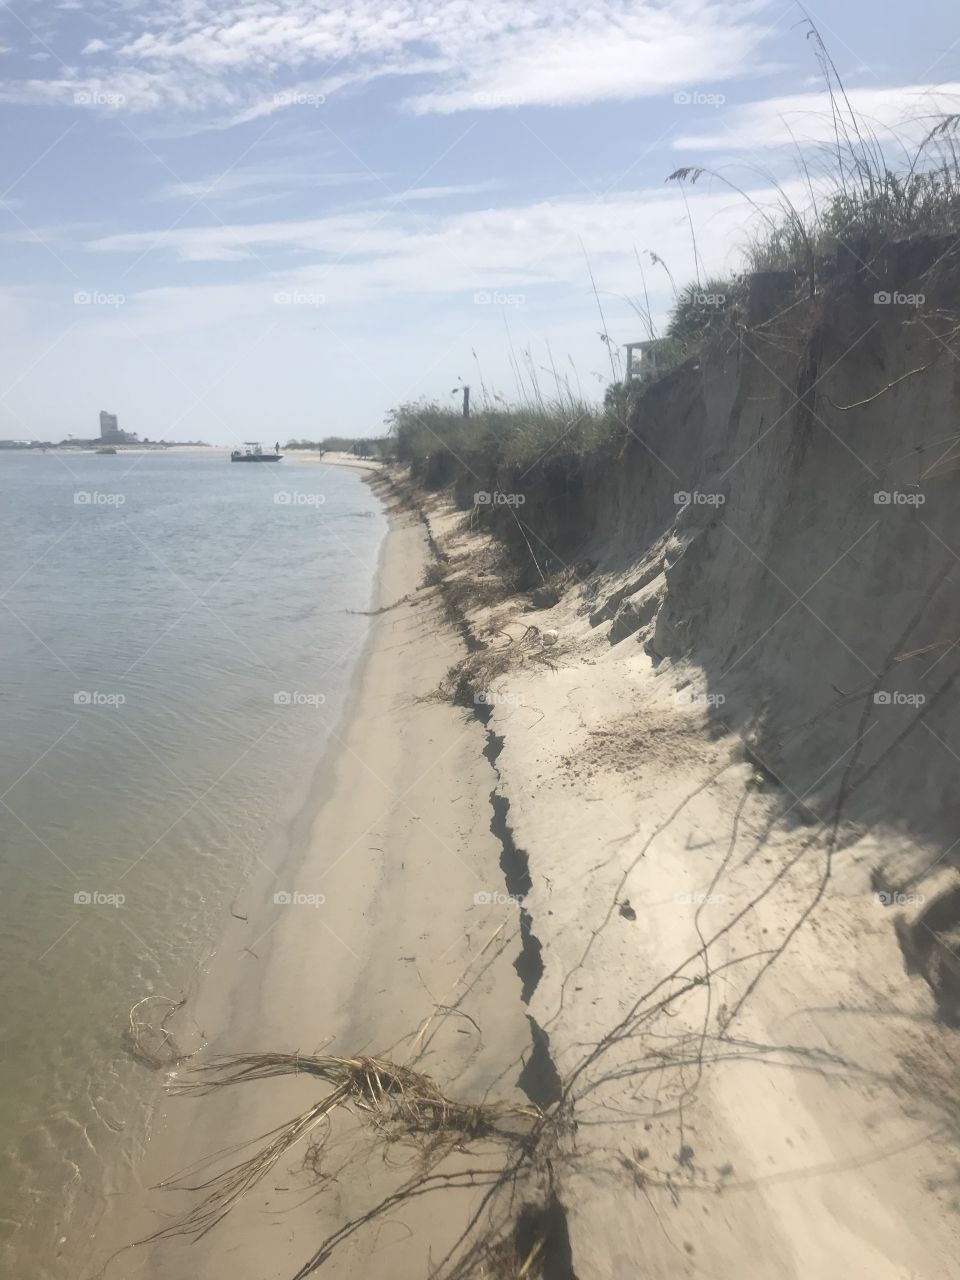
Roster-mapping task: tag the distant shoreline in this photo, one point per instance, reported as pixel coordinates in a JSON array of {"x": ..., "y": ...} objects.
[
  {"x": 118, "y": 448},
  {"x": 334, "y": 458}
]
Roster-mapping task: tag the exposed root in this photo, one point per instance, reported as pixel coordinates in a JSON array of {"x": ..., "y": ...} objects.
[{"x": 402, "y": 1105}]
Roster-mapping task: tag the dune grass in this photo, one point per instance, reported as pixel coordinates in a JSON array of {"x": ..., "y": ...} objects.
[
  {"x": 438, "y": 443},
  {"x": 859, "y": 199},
  {"x": 859, "y": 202}
]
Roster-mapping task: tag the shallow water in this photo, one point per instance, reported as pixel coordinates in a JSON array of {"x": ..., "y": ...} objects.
[{"x": 177, "y": 646}]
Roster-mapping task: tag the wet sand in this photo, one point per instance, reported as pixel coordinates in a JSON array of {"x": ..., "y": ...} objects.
[{"x": 382, "y": 935}]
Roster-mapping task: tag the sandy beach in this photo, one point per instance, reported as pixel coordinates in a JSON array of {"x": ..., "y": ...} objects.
[
  {"x": 515, "y": 834},
  {"x": 783, "y": 1120},
  {"x": 759, "y": 1090},
  {"x": 381, "y": 949}
]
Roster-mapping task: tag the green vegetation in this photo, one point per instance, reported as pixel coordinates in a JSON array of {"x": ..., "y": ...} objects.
[
  {"x": 697, "y": 309},
  {"x": 438, "y": 443},
  {"x": 889, "y": 207},
  {"x": 859, "y": 203},
  {"x": 368, "y": 447},
  {"x": 862, "y": 214},
  {"x": 859, "y": 206}
]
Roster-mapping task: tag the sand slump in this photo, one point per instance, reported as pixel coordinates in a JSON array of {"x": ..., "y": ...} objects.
[
  {"x": 515, "y": 866},
  {"x": 540, "y": 1235},
  {"x": 466, "y": 685},
  {"x": 539, "y": 1079}
]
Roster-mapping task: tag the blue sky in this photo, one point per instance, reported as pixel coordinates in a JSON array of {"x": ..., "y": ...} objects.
[{"x": 281, "y": 217}]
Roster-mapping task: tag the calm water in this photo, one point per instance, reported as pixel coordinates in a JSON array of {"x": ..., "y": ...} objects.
[{"x": 176, "y": 644}]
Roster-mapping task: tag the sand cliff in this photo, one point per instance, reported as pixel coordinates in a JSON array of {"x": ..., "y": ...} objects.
[{"x": 718, "y": 658}]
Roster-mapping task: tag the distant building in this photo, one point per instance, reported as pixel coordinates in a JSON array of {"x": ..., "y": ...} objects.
[
  {"x": 110, "y": 432},
  {"x": 641, "y": 360}
]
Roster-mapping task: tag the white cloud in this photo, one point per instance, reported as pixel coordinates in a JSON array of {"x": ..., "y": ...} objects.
[
  {"x": 362, "y": 255},
  {"x": 269, "y": 180},
  {"x": 906, "y": 114},
  {"x": 414, "y": 194},
  {"x": 479, "y": 56},
  {"x": 605, "y": 53},
  {"x": 311, "y": 93},
  {"x": 223, "y": 243},
  {"x": 128, "y": 90}
]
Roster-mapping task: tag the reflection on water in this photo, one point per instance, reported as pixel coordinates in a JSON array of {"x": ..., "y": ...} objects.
[{"x": 176, "y": 643}]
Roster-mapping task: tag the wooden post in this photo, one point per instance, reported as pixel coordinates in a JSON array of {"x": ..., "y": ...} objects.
[{"x": 466, "y": 402}]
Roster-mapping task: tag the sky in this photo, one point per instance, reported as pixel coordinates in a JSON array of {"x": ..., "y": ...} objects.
[{"x": 282, "y": 218}]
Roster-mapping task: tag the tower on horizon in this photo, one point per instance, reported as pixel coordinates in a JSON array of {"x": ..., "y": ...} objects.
[{"x": 110, "y": 432}]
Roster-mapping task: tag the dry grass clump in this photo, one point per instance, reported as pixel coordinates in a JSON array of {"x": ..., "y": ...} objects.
[
  {"x": 468, "y": 590},
  {"x": 150, "y": 1043},
  {"x": 394, "y": 1095},
  {"x": 401, "y": 1104},
  {"x": 479, "y": 580},
  {"x": 435, "y": 574},
  {"x": 477, "y": 672}
]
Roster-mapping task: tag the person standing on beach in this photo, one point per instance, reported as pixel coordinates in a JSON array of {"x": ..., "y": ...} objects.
[{"x": 277, "y": 447}]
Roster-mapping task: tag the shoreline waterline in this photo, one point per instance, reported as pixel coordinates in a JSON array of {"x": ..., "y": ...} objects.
[
  {"x": 398, "y": 846},
  {"x": 186, "y": 885},
  {"x": 219, "y": 1003}
]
